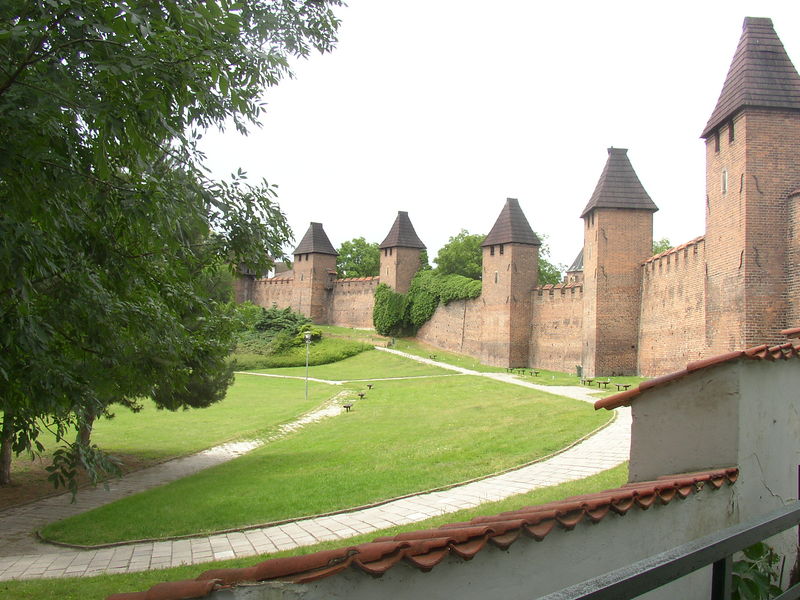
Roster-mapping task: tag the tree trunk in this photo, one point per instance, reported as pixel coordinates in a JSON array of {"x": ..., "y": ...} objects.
[
  {"x": 6, "y": 439},
  {"x": 85, "y": 429}
]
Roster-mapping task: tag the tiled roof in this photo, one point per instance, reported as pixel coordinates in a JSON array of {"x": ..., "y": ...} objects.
[
  {"x": 676, "y": 249},
  {"x": 794, "y": 332},
  {"x": 425, "y": 549},
  {"x": 761, "y": 75},
  {"x": 763, "y": 352},
  {"x": 619, "y": 186},
  {"x": 577, "y": 264},
  {"x": 511, "y": 227},
  {"x": 402, "y": 234},
  {"x": 315, "y": 241}
]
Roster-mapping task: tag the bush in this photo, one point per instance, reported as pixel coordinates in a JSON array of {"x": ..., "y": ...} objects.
[
  {"x": 275, "y": 320},
  {"x": 325, "y": 351},
  {"x": 395, "y": 314}
]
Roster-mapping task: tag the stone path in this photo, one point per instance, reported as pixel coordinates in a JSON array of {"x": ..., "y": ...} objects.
[{"x": 22, "y": 557}]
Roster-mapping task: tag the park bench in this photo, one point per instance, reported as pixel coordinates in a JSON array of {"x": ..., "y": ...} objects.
[
  {"x": 348, "y": 406},
  {"x": 622, "y": 386},
  {"x": 587, "y": 380},
  {"x": 603, "y": 383},
  {"x": 432, "y": 356}
]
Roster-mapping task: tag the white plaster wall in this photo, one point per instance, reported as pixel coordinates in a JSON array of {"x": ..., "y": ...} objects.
[
  {"x": 688, "y": 425},
  {"x": 530, "y": 569}
]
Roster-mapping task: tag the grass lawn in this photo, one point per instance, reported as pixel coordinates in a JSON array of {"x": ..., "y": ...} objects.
[
  {"x": 90, "y": 588},
  {"x": 368, "y": 336},
  {"x": 417, "y": 348},
  {"x": 405, "y": 436},
  {"x": 250, "y": 409},
  {"x": 372, "y": 364},
  {"x": 546, "y": 377}
]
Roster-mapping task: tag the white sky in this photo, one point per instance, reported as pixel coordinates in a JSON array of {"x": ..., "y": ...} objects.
[{"x": 444, "y": 108}]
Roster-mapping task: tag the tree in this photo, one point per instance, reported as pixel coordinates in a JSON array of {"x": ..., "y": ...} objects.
[
  {"x": 110, "y": 229},
  {"x": 661, "y": 245},
  {"x": 358, "y": 258},
  {"x": 461, "y": 255}
]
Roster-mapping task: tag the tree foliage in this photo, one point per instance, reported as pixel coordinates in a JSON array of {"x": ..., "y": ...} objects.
[
  {"x": 461, "y": 255},
  {"x": 358, "y": 258},
  {"x": 661, "y": 245},
  {"x": 110, "y": 229}
]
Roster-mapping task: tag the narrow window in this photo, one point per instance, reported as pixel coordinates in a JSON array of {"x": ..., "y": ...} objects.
[
  {"x": 491, "y": 250},
  {"x": 495, "y": 277},
  {"x": 390, "y": 251},
  {"x": 724, "y": 182},
  {"x": 716, "y": 140},
  {"x": 501, "y": 248},
  {"x": 730, "y": 131}
]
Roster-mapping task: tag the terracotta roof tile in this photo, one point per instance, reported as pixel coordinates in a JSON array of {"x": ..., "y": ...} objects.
[
  {"x": 761, "y": 75},
  {"x": 764, "y": 352},
  {"x": 402, "y": 234},
  {"x": 511, "y": 227},
  {"x": 316, "y": 241},
  {"x": 427, "y": 548},
  {"x": 619, "y": 186},
  {"x": 794, "y": 332}
]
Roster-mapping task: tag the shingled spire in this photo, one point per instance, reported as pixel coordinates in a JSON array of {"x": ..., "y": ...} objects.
[
  {"x": 761, "y": 75},
  {"x": 315, "y": 241},
  {"x": 619, "y": 186},
  {"x": 511, "y": 227},
  {"x": 402, "y": 234}
]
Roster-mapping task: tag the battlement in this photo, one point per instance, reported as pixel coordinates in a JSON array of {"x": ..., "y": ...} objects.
[
  {"x": 356, "y": 280},
  {"x": 686, "y": 254},
  {"x": 563, "y": 289},
  {"x": 275, "y": 281}
]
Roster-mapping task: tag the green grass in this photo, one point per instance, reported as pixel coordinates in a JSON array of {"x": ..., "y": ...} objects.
[
  {"x": 89, "y": 588},
  {"x": 250, "y": 409},
  {"x": 369, "y": 336},
  {"x": 417, "y": 348},
  {"x": 546, "y": 377},
  {"x": 405, "y": 436},
  {"x": 373, "y": 364}
]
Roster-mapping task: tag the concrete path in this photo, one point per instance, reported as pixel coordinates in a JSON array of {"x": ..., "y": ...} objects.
[{"x": 22, "y": 557}]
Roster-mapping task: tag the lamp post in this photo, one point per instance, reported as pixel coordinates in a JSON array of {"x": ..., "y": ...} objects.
[{"x": 307, "y": 338}]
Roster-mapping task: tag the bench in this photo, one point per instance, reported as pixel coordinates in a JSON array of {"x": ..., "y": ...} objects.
[
  {"x": 361, "y": 395},
  {"x": 369, "y": 386},
  {"x": 587, "y": 380},
  {"x": 347, "y": 406},
  {"x": 603, "y": 383},
  {"x": 535, "y": 373},
  {"x": 432, "y": 356},
  {"x": 622, "y": 386}
]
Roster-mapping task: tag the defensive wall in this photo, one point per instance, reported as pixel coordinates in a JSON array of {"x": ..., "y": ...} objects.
[
  {"x": 622, "y": 310},
  {"x": 673, "y": 318},
  {"x": 556, "y": 327}
]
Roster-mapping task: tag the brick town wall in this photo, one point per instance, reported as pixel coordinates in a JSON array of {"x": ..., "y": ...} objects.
[
  {"x": 352, "y": 301},
  {"x": 673, "y": 317},
  {"x": 793, "y": 262},
  {"x": 280, "y": 293},
  {"x": 455, "y": 327},
  {"x": 556, "y": 327}
]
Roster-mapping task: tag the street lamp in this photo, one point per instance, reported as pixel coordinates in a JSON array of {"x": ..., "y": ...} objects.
[{"x": 307, "y": 338}]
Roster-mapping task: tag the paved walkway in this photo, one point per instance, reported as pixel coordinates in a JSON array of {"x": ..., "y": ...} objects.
[{"x": 22, "y": 557}]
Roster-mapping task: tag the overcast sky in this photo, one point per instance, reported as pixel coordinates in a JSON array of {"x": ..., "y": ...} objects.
[{"x": 444, "y": 108}]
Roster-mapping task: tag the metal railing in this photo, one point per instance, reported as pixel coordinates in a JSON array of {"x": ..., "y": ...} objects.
[{"x": 715, "y": 549}]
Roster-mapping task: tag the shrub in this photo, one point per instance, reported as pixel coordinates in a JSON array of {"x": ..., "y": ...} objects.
[
  {"x": 389, "y": 310},
  {"x": 325, "y": 351},
  {"x": 275, "y": 320}
]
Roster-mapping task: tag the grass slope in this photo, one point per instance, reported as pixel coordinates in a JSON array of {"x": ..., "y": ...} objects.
[
  {"x": 405, "y": 436},
  {"x": 96, "y": 588}
]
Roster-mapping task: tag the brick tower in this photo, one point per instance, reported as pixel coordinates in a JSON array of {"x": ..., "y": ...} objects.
[
  {"x": 510, "y": 272},
  {"x": 752, "y": 167},
  {"x": 618, "y": 238},
  {"x": 400, "y": 254},
  {"x": 314, "y": 272}
]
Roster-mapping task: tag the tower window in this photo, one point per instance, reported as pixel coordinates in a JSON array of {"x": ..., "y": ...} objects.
[
  {"x": 724, "y": 181},
  {"x": 491, "y": 250},
  {"x": 495, "y": 277},
  {"x": 501, "y": 248},
  {"x": 730, "y": 131},
  {"x": 716, "y": 140}
]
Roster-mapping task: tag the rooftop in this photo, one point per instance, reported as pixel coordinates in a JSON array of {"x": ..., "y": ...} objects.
[
  {"x": 511, "y": 227},
  {"x": 315, "y": 241},
  {"x": 761, "y": 75},
  {"x": 619, "y": 186},
  {"x": 402, "y": 234}
]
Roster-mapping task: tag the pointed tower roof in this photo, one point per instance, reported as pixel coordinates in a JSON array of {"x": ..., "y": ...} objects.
[
  {"x": 577, "y": 264},
  {"x": 619, "y": 186},
  {"x": 511, "y": 227},
  {"x": 761, "y": 75},
  {"x": 402, "y": 234},
  {"x": 315, "y": 241}
]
